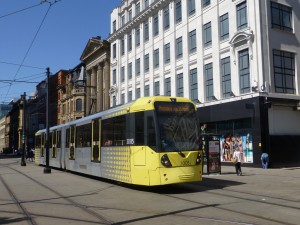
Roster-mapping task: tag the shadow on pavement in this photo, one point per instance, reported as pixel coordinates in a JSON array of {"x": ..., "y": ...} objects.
[
  {"x": 6, "y": 220},
  {"x": 205, "y": 185}
]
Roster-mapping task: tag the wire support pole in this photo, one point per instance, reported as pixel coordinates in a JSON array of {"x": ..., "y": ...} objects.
[
  {"x": 23, "y": 102},
  {"x": 47, "y": 169}
]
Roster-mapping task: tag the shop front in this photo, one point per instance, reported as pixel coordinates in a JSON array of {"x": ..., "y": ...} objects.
[{"x": 249, "y": 125}]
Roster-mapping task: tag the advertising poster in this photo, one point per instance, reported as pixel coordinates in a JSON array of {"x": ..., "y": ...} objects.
[
  {"x": 232, "y": 143},
  {"x": 214, "y": 164}
]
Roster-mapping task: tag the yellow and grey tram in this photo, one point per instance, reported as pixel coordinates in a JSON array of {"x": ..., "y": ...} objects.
[{"x": 150, "y": 141}]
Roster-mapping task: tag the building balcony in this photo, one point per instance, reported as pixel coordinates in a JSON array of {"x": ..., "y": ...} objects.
[{"x": 78, "y": 91}]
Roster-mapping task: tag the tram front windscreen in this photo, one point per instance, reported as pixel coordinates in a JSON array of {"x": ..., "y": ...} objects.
[{"x": 177, "y": 126}]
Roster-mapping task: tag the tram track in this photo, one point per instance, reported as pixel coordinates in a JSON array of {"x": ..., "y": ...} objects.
[
  {"x": 179, "y": 192},
  {"x": 267, "y": 219},
  {"x": 267, "y": 200},
  {"x": 101, "y": 219},
  {"x": 27, "y": 216},
  {"x": 232, "y": 196},
  {"x": 262, "y": 197}
]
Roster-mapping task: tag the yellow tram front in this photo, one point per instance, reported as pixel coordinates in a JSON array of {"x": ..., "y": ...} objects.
[{"x": 158, "y": 143}]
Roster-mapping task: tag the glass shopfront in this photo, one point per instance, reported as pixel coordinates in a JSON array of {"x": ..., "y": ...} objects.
[{"x": 234, "y": 135}]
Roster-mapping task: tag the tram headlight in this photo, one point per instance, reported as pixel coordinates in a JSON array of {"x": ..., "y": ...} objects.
[
  {"x": 198, "y": 160},
  {"x": 166, "y": 161}
]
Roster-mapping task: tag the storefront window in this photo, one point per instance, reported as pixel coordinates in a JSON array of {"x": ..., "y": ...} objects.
[{"x": 234, "y": 135}]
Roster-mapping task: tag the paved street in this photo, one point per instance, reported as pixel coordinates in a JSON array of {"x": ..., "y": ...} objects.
[{"x": 28, "y": 196}]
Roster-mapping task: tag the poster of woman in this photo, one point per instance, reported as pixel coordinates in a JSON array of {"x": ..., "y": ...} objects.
[{"x": 241, "y": 141}]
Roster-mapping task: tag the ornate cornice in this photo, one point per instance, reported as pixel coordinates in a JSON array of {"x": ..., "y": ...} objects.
[
  {"x": 239, "y": 39},
  {"x": 113, "y": 90},
  {"x": 241, "y": 36}
]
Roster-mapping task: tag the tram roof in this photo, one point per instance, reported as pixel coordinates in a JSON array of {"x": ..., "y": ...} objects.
[{"x": 141, "y": 104}]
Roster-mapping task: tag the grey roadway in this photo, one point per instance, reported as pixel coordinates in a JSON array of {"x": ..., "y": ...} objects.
[{"x": 28, "y": 196}]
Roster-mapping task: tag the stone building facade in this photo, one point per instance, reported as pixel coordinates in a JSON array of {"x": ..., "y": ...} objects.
[
  {"x": 96, "y": 57},
  {"x": 71, "y": 97}
]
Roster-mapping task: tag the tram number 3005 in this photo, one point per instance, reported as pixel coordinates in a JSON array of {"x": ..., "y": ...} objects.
[
  {"x": 130, "y": 141},
  {"x": 185, "y": 163}
]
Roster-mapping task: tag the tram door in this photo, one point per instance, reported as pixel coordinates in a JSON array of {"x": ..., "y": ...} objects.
[
  {"x": 54, "y": 139},
  {"x": 72, "y": 151},
  {"x": 70, "y": 146},
  {"x": 96, "y": 140},
  {"x": 64, "y": 148},
  {"x": 58, "y": 147}
]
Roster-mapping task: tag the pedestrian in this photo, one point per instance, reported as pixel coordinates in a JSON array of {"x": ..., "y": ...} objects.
[
  {"x": 237, "y": 159},
  {"x": 264, "y": 160},
  {"x": 30, "y": 155}
]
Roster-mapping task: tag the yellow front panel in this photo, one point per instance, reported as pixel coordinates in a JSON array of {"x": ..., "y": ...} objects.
[
  {"x": 184, "y": 168},
  {"x": 139, "y": 156},
  {"x": 181, "y": 174}
]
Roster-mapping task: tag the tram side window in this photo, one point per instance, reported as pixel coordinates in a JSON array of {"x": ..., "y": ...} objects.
[
  {"x": 96, "y": 137},
  {"x": 69, "y": 143},
  {"x": 151, "y": 135},
  {"x": 83, "y": 135},
  {"x": 68, "y": 138},
  {"x": 43, "y": 144},
  {"x": 73, "y": 132},
  {"x": 58, "y": 139},
  {"x": 114, "y": 131},
  {"x": 38, "y": 141},
  {"x": 72, "y": 154},
  {"x": 120, "y": 130},
  {"x": 54, "y": 136},
  {"x": 139, "y": 128},
  {"x": 107, "y": 132},
  {"x": 50, "y": 140}
]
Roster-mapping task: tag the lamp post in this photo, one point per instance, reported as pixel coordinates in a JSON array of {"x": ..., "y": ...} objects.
[
  {"x": 47, "y": 169},
  {"x": 23, "y": 102}
]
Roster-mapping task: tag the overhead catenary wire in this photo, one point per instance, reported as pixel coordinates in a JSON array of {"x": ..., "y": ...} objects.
[
  {"x": 18, "y": 81},
  {"x": 27, "y": 79},
  {"x": 33, "y": 76},
  {"x": 16, "y": 64},
  {"x": 31, "y": 44},
  {"x": 21, "y": 10}
]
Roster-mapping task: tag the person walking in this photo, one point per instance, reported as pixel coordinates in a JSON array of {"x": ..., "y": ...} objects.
[
  {"x": 264, "y": 160},
  {"x": 238, "y": 159},
  {"x": 31, "y": 155}
]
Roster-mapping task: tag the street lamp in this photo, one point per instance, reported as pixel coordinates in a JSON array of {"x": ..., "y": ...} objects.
[{"x": 22, "y": 103}]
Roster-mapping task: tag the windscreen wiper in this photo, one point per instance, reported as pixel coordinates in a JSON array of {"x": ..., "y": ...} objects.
[{"x": 181, "y": 154}]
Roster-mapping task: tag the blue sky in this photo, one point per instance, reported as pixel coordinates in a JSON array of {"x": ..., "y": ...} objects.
[{"x": 57, "y": 43}]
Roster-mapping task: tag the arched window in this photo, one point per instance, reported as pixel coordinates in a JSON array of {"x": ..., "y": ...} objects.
[{"x": 78, "y": 104}]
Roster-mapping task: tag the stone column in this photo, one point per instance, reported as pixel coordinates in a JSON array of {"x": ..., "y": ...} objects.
[
  {"x": 93, "y": 90},
  {"x": 106, "y": 81},
  {"x": 100, "y": 88},
  {"x": 88, "y": 92}
]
